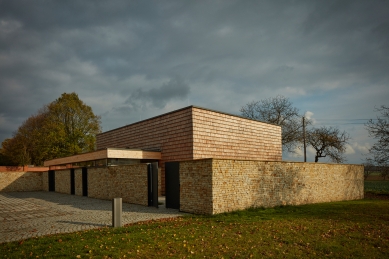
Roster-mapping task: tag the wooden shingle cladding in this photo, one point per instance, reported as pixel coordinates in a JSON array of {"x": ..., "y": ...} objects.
[
  {"x": 195, "y": 133},
  {"x": 171, "y": 133},
  {"x": 218, "y": 135}
]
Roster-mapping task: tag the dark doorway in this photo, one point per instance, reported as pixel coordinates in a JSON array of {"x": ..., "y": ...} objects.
[
  {"x": 152, "y": 180},
  {"x": 84, "y": 181},
  {"x": 51, "y": 181},
  {"x": 72, "y": 182},
  {"x": 172, "y": 185}
]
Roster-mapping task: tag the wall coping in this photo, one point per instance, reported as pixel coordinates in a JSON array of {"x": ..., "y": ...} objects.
[
  {"x": 23, "y": 169},
  {"x": 270, "y": 161}
]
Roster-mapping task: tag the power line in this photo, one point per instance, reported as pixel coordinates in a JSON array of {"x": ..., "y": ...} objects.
[{"x": 344, "y": 119}]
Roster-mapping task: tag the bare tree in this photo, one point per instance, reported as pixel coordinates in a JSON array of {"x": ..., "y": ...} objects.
[
  {"x": 369, "y": 168},
  {"x": 328, "y": 142},
  {"x": 379, "y": 129},
  {"x": 279, "y": 111}
]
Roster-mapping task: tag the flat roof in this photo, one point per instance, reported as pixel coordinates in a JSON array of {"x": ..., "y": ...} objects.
[
  {"x": 188, "y": 107},
  {"x": 119, "y": 153}
]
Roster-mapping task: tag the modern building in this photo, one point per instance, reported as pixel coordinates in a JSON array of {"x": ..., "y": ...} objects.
[
  {"x": 208, "y": 162},
  {"x": 194, "y": 133},
  {"x": 189, "y": 133}
]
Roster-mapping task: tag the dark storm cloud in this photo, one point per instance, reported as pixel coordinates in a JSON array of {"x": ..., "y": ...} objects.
[
  {"x": 45, "y": 15},
  {"x": 158, "y": 97},
  {"x": 228, "y": 52}
]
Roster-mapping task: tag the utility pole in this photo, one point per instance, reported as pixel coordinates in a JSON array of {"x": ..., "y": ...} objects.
[{"x": 305, "y": 146}]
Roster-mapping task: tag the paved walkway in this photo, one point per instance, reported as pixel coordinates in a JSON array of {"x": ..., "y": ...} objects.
[{"x": 31, "y": 214}]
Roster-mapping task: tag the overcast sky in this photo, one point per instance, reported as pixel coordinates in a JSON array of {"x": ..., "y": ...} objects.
[{"x": 131, "y": 60}]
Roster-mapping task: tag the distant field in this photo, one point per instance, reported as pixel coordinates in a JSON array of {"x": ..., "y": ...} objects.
[
  {"x": 377, "y": 186},
  {"x": 376, "y": 177}
]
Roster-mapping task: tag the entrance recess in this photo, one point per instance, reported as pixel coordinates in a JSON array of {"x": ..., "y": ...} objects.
[
  {"x": 72, "y": 182},
  {"x": 51, "y": 181},
  {"x": 172, "y": 185},
  {"x": 152, "y": 184}
]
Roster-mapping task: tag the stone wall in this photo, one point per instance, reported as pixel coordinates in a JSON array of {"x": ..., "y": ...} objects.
[
  {"x": 196, "y": 186},
  {"x": 62, "y": 181},
  {"x": 20, "y": 181},
  {"x": 45, "y": 181},
  {"x": 238, "y": 184},
  {"x": 126, "y": 182},
  {"x": 78, "y": 181}
]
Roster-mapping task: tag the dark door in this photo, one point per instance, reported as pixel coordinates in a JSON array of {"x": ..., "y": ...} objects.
[
  {"x": 51, "y": 181},
  {"x": 72, "y": 182},
  {"x": 172, "y": 185},
  {"x": 84, "y": 181},
  {"x": 152, "y": 179}
]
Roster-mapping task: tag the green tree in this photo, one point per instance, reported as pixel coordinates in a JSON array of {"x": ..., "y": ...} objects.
[
  {"x": 75, "y": 124},
  {"x": 67, "y": 126},
  {"x": 14, "y": 152}
]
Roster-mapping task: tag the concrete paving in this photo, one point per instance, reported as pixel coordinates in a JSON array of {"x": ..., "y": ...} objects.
[{"x": 31, "y": 214}]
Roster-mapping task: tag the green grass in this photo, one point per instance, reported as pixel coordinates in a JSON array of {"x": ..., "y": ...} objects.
[
  {"x": 353, "y": 229},
  {"x": 380, "y": 187}
]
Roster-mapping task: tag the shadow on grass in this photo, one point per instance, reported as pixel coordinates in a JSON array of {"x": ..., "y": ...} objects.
[{"x": 358, "y": 211}]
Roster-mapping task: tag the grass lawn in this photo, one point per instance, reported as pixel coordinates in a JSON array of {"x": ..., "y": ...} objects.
[
  {"x": 352, "y": 229},
  {"x": 381, "y": 187}
]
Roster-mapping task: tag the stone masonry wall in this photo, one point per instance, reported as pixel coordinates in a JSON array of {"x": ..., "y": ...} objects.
[
  {"x": 62, "y": 181},
  {"x": 20, "y": 181},
  {"x": 78, "y": 181},
  {"x": 238, "y": 184},
  {"x": 196, "y": 186},
  {"x": 45, "y": 181},
  {"x": 126, "y": 182}
]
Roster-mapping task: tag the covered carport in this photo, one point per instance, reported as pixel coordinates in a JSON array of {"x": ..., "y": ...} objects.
[{"x": 131, "y": 174}]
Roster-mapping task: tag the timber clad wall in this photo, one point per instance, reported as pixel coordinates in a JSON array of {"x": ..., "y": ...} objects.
[
  {"x": 217, "y": 135},
  {"x": 193, "y": 133},
  {"x": 238, "y": 185},
  {"x": 62, "y": 181},
  {"x": 126, "y": 182},
  {"x": 20, "y": 181}
]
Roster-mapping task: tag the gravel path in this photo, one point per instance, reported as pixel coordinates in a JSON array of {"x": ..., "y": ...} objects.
[{"x": 31, "y": 214}]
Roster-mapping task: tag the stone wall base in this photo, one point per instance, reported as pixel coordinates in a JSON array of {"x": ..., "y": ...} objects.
[{"x": 211, "y": 186}]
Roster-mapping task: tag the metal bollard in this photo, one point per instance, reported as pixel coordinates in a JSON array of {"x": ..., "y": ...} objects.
[{"x": 116, "y": 212}]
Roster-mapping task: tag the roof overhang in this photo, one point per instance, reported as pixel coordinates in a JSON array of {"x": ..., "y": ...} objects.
[{"x": 104, "y": 154}]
